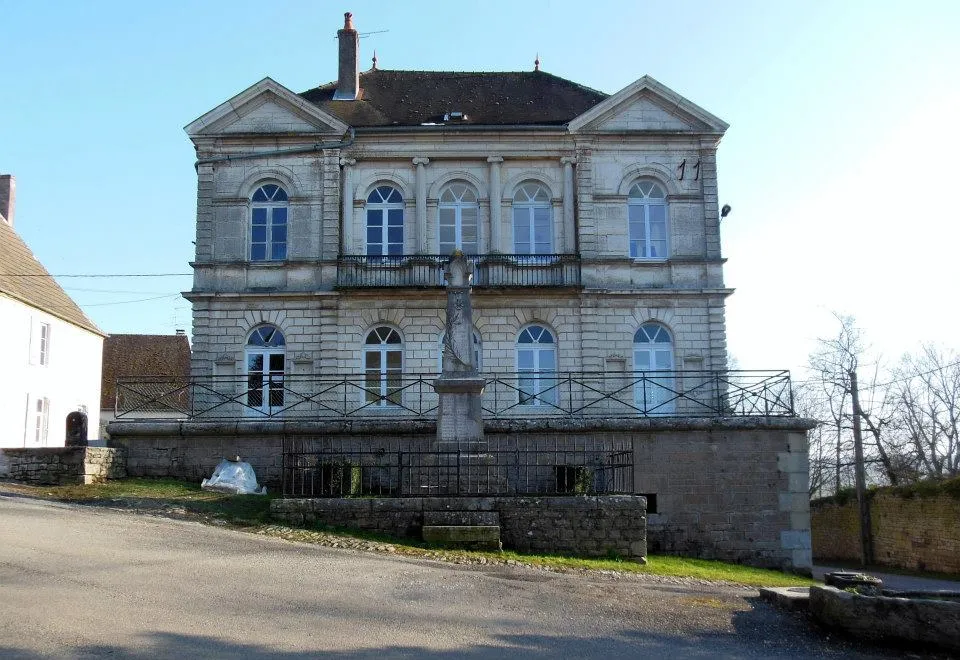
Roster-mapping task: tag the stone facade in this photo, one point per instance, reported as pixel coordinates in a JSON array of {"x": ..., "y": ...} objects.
[
  {"x": 63, "y": 466},
  {"x": 588, "y": 526},
  {"x": 586, "y": 168},
  {"x": 913, "y": 533}
]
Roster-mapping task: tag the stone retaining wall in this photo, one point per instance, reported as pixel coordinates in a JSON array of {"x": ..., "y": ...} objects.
[
  {"x": 66, "y": 465},
  {"x": 587, "y": 526},
  {"x": 914, "y": 533},
  {"x": 728, "y": 489}
]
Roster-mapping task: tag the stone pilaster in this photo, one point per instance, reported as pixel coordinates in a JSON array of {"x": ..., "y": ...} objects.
[
  {"x": 421, "y": 193},
  {"x": 346, "y": 200},
  {"x": 569, "y": 226},
  {"x": 496, "y": 205}
]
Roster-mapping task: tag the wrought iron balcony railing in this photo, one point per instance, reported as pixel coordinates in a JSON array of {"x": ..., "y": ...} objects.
[
  {"x": 426, "y": 270},
  {"x": 690, "y": 394}
]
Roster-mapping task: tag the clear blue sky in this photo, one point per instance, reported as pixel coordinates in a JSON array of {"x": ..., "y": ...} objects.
[{"x": 840, "y": 162}]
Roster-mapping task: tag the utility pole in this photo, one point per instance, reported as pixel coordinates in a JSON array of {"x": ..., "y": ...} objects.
[{"x": 866, "y": 535}]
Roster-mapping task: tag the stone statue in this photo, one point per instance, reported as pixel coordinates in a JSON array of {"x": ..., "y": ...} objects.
[{"x": 458, "y": 341}]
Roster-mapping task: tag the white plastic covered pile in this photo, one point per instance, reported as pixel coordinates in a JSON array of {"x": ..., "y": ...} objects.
[{"x": 234, "y": 477}]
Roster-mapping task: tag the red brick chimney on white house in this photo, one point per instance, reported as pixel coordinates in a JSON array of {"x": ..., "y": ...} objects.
[
  {"x": 348, "y": 81},
  {"x": 8, "y": 197}
]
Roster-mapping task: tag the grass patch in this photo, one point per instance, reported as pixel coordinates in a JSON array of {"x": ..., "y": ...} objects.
[{"x": 253, "y": 512}]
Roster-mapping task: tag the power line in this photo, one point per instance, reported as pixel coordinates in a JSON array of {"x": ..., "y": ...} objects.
[
  {"x": 96, "y": 275},
  {"x": 127, "y": 302}
]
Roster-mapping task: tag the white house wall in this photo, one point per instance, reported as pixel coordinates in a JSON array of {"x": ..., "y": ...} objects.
[{"x": 70, "y": 381}]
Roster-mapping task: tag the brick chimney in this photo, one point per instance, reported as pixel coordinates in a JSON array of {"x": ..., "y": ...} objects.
[
  {"x": 8, "y": 197},
  {"x": 348, "y": 81}
]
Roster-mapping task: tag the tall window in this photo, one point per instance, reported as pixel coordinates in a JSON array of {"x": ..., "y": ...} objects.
[
  {"x": 652, "y": 352},
  {"x": 536, "y": 366},
  {"x": 383, "y": 366},
  {"x": 268, "y": 225},
  {"x": 384, "y": 222},
  {"x": 647, "y": 213},
  {"x": 532, "y": 220},
  {"x": 459, "y": 211},
  {"x": 42, "y": 421},
  {"x": 40, "y": 343},
  {"x": 265, "y": 353}
]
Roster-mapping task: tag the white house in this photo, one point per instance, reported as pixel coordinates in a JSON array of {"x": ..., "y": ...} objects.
[{"x": 54, "y": 350}]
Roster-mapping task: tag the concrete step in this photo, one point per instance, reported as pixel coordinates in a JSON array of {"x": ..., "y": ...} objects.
[
  {"x": 461, "y": 518},
  {"x": 471, "y": 537}
]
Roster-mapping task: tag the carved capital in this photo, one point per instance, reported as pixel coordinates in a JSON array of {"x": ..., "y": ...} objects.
[
  {"x": 495, "y": 159},
  {"x": 348, "y": 162},
  {"x": 568, "y": 160},
  {"x": 421, "y": 160}
]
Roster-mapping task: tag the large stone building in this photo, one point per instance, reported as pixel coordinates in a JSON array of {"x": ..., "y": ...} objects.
[{"x": 323, "y": 218}]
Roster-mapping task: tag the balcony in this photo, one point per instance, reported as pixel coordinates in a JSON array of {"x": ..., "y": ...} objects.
[{"x": 420, "y": 271}]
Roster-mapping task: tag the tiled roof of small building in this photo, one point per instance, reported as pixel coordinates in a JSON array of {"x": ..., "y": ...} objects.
[
  {"x": 414, "y": 98},
  {"x": 142, "y": 355},
  {"x": 24, "y": 278}
]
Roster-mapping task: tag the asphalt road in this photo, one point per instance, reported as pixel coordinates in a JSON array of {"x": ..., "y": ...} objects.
[{"x": 92, "y": 582}]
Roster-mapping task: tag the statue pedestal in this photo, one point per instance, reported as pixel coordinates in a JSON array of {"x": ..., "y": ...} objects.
[{"x": 460, "y": 413}]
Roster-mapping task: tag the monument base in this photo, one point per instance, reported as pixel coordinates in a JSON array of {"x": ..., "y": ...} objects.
[{"x": 460, "y": 412}]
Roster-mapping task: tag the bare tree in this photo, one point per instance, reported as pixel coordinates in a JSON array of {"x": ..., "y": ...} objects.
[{"x": 926, "y": 394}]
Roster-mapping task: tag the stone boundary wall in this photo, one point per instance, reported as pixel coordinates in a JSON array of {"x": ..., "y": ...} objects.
[
  {"x": 728, "y": 489},
  {"x": 65, "y": 465},
  {"x": 913, "y": 533},
  {"x": 578, "y": 525}
]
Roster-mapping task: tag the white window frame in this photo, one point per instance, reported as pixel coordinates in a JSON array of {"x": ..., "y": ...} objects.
[
  {"x": 654, "y": 393},
  {"x": 458, "y": 207},
  {"x": 270, "y": 206},
  {"x": 385, "y": 208},
  {"x": 643, "y": 202},
  {"x": 40, "y": 343},
  {"x": 544, "y": 391},
  {"x": 527, "y": 205},
  {"x": 272, "y": 380},
  {"x": 381, "y": 396},
  {"x": 41, "y": 415}
]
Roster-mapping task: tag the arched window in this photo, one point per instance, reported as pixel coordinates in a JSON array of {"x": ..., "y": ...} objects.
[
  {"x": 458, "y": 214},
  {"x": 536, "y": 366},
  {"x": 268, "y": 223},
  {"x": 477, "y": 351},
  {"x": 653, "y": 351},
  {"x": 383, "y": 366},
  {"x": 384, "y": 222},
  {"x": 265, "y": 362},
  {"x": 647, "y": 213},
  {"x": 532, "y": 220}
]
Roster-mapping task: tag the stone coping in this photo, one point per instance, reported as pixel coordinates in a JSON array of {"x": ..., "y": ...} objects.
[{"x": 394, "y": 427}]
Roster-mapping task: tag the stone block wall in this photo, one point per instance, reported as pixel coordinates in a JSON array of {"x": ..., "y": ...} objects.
[
  {"x": 587, "y": 526},
  {"x": 734, "y": 490},
  {"x": 914, "y": 533},
  {"x": 66, "y": 465}
]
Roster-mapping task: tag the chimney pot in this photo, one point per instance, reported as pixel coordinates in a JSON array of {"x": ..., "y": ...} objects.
[
  {"x": 348, "y": 79},
  {"x": 8, "y": 197}
]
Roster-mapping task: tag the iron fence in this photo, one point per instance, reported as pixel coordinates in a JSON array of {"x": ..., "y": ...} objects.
[
  {"x": 426, "y": 270},
  {"x": 319, "y": 467},
  {"x": 513, "y": 395}
]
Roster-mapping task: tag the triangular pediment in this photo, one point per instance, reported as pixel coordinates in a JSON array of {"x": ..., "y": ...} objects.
[
  {"x": 647, "y": 105},
  {"x": 266, "y": 108}
]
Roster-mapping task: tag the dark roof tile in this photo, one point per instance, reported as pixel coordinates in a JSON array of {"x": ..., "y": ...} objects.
[
  {"x": 413, "y": 98},
  {"x": 142, "y": 355}
]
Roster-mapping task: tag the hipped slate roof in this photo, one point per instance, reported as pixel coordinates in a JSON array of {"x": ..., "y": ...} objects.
[
  {"x": 24, "y": 278},
  {"x": 142, "y": 355},
  {"x": 412, "y": 98}
]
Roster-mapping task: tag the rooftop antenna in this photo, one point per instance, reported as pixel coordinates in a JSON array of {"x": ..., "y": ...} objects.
[
  {"x": 536, "y": 63},
  {"x": 374, "y": 59}
]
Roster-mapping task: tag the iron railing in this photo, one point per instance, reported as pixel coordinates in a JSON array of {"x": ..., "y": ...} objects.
[
  {"x": 681, "y": 394},
  {"x": 426, "y": 270},
  {"x": 382, "y": 467}
]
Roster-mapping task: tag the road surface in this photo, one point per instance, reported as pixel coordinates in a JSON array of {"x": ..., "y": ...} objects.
[{"x": 89, "y": 582}]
